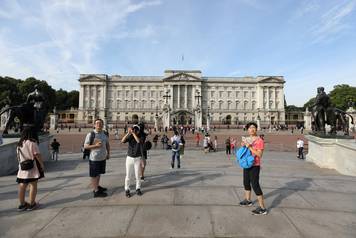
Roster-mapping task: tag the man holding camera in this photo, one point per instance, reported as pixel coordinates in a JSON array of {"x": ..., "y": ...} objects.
[{"x": 133, "y": 159}]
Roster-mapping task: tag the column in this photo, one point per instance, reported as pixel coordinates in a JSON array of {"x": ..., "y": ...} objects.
[
  {"x": 178, "y": 100},
  {"x": 186, "y": 97}
]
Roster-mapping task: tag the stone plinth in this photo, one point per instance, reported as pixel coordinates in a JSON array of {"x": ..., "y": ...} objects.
[
  {"x": 338, "y": 154},
  {"x": 8, "y": 160}
]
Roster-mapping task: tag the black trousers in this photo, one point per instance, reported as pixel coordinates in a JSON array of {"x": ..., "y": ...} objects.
[
  {"x": 300, "y": 153},
  {"x": 252, "y": 177},
  {"x": 228, "y": 150}
]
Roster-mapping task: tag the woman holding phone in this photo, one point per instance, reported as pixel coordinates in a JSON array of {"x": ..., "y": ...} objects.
[{"x": 251, "y": 175}]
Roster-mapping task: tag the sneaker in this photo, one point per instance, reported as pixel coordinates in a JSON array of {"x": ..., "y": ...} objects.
[
  {"x": 33, "y": 206},
  {"x": 246, "y": 203},
  {"x": 23, "y": 207},
  {"x": 172, "y": 165},
  {"x": 259, "y": 211},
  {"x": 127, "y": 193},
  {"x": 100, "y": 194},
  {"x": 138, "y": 192},
  {"x": 178, "y": 166},
  {"x": 102, "y": 189},
  {"x": 142, "y": 178}
]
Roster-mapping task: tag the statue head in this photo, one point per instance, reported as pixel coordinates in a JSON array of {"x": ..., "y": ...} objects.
[{"x": 320, "y": 89}]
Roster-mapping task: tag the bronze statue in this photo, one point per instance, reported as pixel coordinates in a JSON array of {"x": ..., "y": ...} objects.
[
  {"x": 324, "y": 112},
  {"x": 32, "y": 113}
]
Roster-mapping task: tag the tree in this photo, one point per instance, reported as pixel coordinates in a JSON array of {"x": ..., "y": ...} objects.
[
  {"x": 73, "y": 99},
  {"x": 9, "y": 95},
  {"x": 309, "y": 104},
  {"x": 61, "y": 99},
  {"x": 341, "y": 95}
]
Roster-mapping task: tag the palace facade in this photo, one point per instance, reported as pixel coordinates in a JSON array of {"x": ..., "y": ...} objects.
[{"x": 181, "y": 97}]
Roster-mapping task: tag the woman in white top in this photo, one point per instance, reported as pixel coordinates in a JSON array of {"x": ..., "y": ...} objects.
[{"x": 27, "y": 150}]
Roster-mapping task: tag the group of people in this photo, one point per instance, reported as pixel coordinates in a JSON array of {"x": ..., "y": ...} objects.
[{"x": 98, "y": 144}]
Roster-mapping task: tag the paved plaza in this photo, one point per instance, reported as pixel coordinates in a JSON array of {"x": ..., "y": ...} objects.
[{"x": 199, "y": 200}]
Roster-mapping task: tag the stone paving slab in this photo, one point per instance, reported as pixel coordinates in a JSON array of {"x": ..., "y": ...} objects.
[
  {"x": 28, "y": 224},
  {"x": 171, "y": 221},
  {"x": 234, "y": 221},
  {"x": 102, "y": 221},
  {"x": 327, "y": 224},
  {"x": 199, "y": 200}
]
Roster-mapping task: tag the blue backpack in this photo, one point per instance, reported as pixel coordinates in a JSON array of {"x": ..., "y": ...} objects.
[{"x": 244, "y": 157}]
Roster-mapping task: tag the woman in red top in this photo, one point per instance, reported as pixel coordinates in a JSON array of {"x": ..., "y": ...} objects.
[{"x": 251, "y": 175}]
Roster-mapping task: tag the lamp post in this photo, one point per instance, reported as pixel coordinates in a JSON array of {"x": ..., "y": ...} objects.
[
  {"x": 208, "y": 119},
  {"x": 258, "y": 119}
]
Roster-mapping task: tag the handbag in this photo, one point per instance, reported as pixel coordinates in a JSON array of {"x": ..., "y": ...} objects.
[{"x": 25, "y": 165}]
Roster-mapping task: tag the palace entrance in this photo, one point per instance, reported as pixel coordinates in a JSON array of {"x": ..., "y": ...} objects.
[{"x": 182, "y": 118}]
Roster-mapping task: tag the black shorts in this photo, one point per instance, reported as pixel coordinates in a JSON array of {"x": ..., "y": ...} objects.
[
  {"x": 96, "y": 168},
  {"x": 29, "y": 180}
]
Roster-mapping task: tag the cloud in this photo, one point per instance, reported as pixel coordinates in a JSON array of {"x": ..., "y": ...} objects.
[
  {"x": 66, "y": 36},
  {"x": 333, "y": 22}
]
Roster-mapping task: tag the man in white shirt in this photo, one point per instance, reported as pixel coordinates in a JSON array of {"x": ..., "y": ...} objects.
[{"x": 300, "y": 147}]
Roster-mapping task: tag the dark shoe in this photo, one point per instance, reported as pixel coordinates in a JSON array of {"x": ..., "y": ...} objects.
[
  {"x": 102, "y": 189},
  {"x": 246, "y": 203},
  {"x": 178, "y": 166},
  {"x": 138, "y": 192},
  {"x": 259, "y": 211},
  {"x": 128, "y": 194},
  {"x": 172, "y": 165},
  {"x": 23, "y": 207},
  {"x": 32, "y": 207},
  {"x": 100, "y": 194},
  {"x": 142, "y": 178}
]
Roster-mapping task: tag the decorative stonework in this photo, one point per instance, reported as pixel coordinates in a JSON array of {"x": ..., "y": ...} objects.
[{"x": 228, "y": 99}]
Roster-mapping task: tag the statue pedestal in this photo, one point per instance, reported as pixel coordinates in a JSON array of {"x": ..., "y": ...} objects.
[
  {"x": 53, "y": 121},
  {"x": 307, "y": 120},
  {"x": 8, "y": 161},
  {"x": 338, "y": 154}
]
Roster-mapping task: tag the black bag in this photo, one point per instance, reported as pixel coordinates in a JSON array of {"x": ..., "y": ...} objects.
[
  {"x": 24, "y": 165},
  {"x": 27, "y": 164},
  {"x": 86, "y": 152}
]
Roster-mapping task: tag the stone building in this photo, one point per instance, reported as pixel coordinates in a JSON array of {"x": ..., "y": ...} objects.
[{"x": 181, "y": 97}]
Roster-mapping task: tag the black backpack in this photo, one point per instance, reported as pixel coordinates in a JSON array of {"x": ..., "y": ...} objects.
[
  {"x": 91, "y": 140},
  {"x": 175, "y": 145}
]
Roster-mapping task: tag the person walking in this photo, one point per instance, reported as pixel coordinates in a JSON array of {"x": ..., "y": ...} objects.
[
  {"x": 31, "y": 168},
  {"x": 97, "y": 142},
  {"x": 228, "y": 147},
  {"x": 55, "y": 149},
  {"x": 197, "y": 139},
  {"x": 300, "y": 148},
  {"x": 175, "y": 140},
  {"x": 251, "y": 175},
  {"x": 181, "y": 147},
  {"x": 133, "y": 159},
  {"x": 215, "y": 143}
]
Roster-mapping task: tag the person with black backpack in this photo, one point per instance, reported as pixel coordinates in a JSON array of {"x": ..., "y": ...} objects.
[
  {"x": 97, "y": 142},
  {"x": 175, "y": 149}
]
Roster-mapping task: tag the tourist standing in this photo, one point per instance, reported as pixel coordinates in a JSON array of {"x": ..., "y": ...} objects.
[
  {"x": 228, "y": 147},
  {"x": 251, "y": 175},
  {"x": 55, "y": 149},
  {"x": 300, "y": 148},
  {"x": 133, "y": 159},
  {"x": 175, "y": 140},
  {"x": 97, "y": 142},
  {"x": 31, "y": 168}
]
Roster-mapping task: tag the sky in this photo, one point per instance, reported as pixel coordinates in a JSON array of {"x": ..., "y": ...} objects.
[{"x": 311, "y": 43}]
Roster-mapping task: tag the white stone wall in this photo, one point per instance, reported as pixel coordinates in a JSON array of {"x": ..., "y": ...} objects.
[{"x": 123, "y": 96}]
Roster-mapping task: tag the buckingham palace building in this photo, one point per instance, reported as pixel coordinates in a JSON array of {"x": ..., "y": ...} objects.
[{"x": 181, "y": 97}]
